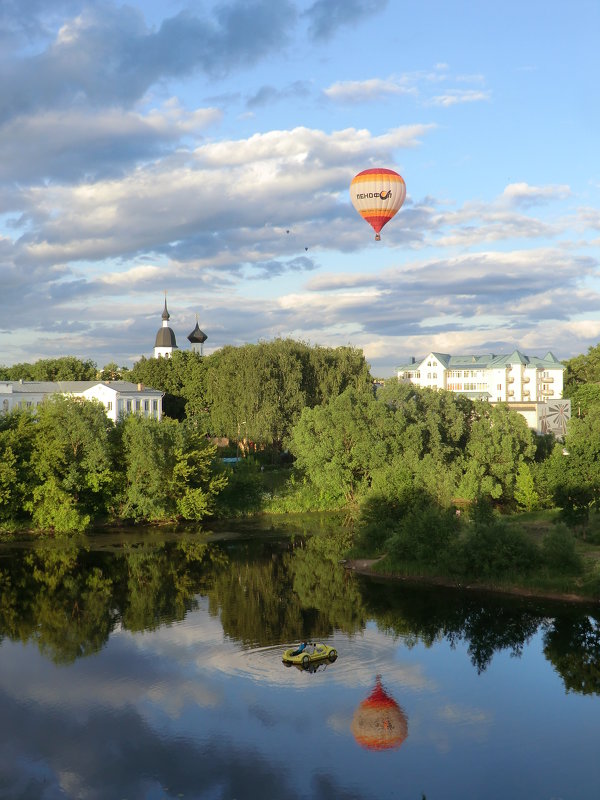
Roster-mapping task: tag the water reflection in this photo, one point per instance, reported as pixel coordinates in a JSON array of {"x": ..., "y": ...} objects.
[
  {"x": 152, "y": 668},
  {"x": 69, "y": 596},
  {"x": 379, "y": 723}
]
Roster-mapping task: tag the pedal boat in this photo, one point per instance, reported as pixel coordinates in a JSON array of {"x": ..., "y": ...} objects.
[{"x": 321, "y": 652}]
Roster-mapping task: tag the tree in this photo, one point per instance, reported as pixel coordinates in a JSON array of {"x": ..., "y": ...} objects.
[
  {"x": 168, "y": 470},
  {"x": 583, "y": 369},
  {"x": 112, "y": 372},
  {"x": 72, "y": 461},
  {"x": 17, "y": 434},
  {"x": 500, "y": 441},
  {"x": 577, "y": 487},
  {"x": 66, "y": 368},
  {"x": 525, "y": 494},
  {"x": 341, "y": 445}
]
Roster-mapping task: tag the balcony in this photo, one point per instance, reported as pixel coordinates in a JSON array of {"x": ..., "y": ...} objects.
[
  {"x": 526, "y": 380},
  {"x": 548, "y": 380},
  {"x": 547, "y": 392},
  {"x": 511, "y": 380},
  {"x": 511, "y": 393}
]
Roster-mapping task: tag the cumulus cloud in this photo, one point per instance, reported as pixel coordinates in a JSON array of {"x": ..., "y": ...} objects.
[
  {"x": 71, "y": 144},
  {"x": 371, "y": 89},
  {"x": 109, "y": 56},
  {"x": 525, "y": 195}
]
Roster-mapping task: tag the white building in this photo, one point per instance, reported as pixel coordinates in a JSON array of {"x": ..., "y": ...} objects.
[
  {"x": 532, "y": 386},
  {"x": 117, "y": 397}
]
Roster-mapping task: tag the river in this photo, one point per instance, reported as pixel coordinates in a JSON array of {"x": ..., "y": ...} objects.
[{"x": 148, "y": 665}]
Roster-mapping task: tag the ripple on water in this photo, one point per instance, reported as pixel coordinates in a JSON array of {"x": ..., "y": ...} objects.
[{"x": 359, "y": 660}]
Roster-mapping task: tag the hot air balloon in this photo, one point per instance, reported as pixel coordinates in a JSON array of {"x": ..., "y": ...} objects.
[
  {"x": 379, "y": 723},
  {"x": 377, "y": 195}
]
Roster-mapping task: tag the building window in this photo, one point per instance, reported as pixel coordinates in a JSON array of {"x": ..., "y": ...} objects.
[
  {"x": 128, "y": 406},
  {"x": 499, "y": 387},
  {"x": 155, "y": 405},
  {"x": 109, "y": 405},
  {"x": 146, "y": 405},
  {"x": 138, "y": 405}
]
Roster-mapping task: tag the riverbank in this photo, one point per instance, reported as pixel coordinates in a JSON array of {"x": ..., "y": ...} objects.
[{"x": 368, "y": 568}]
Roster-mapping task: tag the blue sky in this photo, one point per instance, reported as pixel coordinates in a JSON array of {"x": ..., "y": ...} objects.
[{"x": 169, "y": 146}]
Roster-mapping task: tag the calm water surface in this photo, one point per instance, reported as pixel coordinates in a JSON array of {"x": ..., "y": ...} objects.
[{"x": 149, "y": 666}]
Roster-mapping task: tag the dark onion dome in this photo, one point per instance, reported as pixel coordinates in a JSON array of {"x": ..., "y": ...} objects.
[
  {"x": 165, "y": 338},
  {"x": 165, "y": 313},
  {"x": 197, "y": 336}
]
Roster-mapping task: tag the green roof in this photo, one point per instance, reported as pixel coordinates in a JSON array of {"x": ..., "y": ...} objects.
[{"x": 488, "y": 361}]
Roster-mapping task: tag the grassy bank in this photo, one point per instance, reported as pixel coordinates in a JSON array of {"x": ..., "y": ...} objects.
[{"x": 528, "y": 554}]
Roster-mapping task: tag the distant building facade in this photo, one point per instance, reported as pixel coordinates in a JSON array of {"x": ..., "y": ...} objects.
[
  {"x": 530, "y": 385},
  {"x": 118, "y": 397}
]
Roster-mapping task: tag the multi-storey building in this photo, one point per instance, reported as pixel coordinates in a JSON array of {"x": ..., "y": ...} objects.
[{"x": 532, "y": 386}]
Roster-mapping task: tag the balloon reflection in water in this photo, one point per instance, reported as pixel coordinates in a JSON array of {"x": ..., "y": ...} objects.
[{"x": 379, "y": 723}]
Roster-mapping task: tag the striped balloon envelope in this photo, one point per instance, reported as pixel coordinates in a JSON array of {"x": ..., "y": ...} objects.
[{"x": 377, "y": 195}]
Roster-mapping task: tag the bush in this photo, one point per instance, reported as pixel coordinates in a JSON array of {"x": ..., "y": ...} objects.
[
  {"x": 558, "y": 550},
  {"x": 244, "y": 491},
  {"x": 424, "y": 535},
  {"x": 496, "y": 550}
]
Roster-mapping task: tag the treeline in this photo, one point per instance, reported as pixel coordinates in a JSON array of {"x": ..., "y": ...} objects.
[
  {"x": 255, "y": 392},
  {"x": 66, "y": 465},
  {"x": 352, "y": 446}
]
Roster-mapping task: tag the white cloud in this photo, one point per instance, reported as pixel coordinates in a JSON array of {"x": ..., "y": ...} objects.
[
  {"x": 523, "y": 194},
  {"x": 459, "y": 96},
  {"x": 367, "y": 90}
]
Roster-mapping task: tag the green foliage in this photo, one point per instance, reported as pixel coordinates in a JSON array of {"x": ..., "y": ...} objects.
[
  {"x": 112, "y": 372},
  {"x": 424, "y": 535},
  {"x": 168, "y": 470},
  {"x": 340, "y": 445},
  {"x": 525, "y": 494},
  {"x": 183, "y": 379},
  {"x": 72, "y": 461},
  {"x": 583, "y": 397},
  {"x": 500, "y": 441},
  {"x": 17, "y": 435},
  {"x": 496, "y": 550},
  {"x": 243, "y": 492},
  {"x": 53, "y": 508},
  {"x": 258, "y": 391},
  {"x": 582, "y": 369},
  {"x": 559, "y": 551},
  {"x": 67, "y": 368}
]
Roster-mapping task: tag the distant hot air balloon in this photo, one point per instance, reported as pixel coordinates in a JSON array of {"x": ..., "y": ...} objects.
[{"x": 377, "y": 195}]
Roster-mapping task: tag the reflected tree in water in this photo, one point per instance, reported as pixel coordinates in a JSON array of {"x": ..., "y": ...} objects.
[{"x": 572, "y": 645}]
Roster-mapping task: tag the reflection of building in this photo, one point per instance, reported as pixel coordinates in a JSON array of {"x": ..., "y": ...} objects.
[
  {"x": 117, "y": 397},
  {"x": 379, "y": 723},
  {"x": 530, "y": 385}
]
